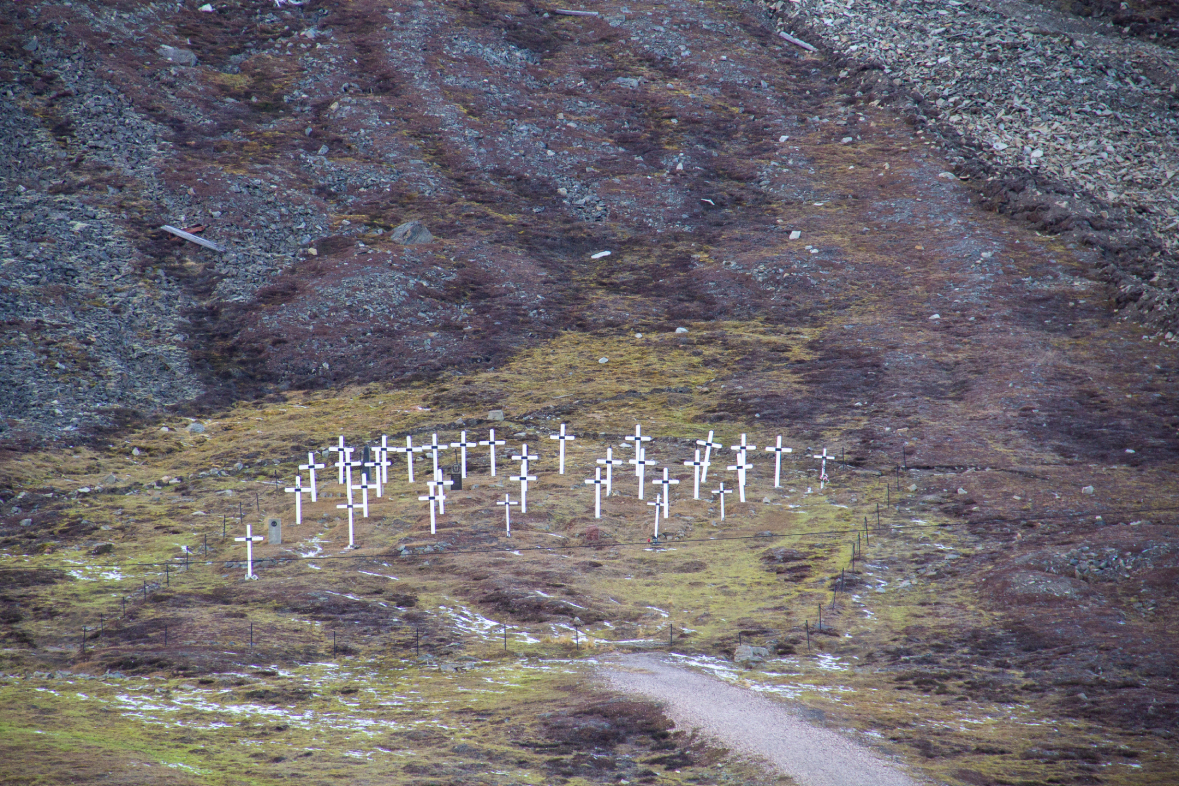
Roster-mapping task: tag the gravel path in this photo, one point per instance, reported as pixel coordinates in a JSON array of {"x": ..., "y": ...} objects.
[{"x": 750, "y": 723}]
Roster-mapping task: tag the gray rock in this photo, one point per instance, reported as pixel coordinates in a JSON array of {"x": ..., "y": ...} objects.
[
  {"x": 196, "y": 428},
  {"x": 1087, "y": 490},
  {"x": 411, "y": 233},
  {"x": 184, "y": 57},
  {"x": 110, "y": 479},
  {"x": 103, "y": 548},
  {"x": 681, "y": 330},
  {"x": 748, "y": 656},
  {"x": 495, "y": 414},
  {"x": 26, "y": 522},
  {"x": 627, "y": 81}
]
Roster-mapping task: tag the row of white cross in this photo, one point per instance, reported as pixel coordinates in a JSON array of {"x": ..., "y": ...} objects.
[{"x": 436, "y": 496}]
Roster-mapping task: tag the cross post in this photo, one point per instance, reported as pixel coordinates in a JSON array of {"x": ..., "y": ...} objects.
[
  {"x": 523, "y": 479},
  {"x": 696, "y": 464},
  {"x": 709, "y": 445},
  {"x": 375, "y": 466},
  {"x": 462, "y": 445},
  {"x": 638, "y": 439},
  {"x": 740, "y": 468},
  {"x": 363, "y": 486},
  {"x": 667, "y": 483},
  {"x": 641, "y": 463},
  {"x": 433, "y": 448},
  {"x": 610, "y": 463},
  {"x": 432, "y": 498},
  {"x": 722, "y": 491},
  {"x": 656, "y": 505},
  {"x": 491, "y": 442},
  {"x": 597, "y": 482},
  {"x": 778, "y": 450},
  {"x": 408, "y": 450},
  {"x": 311, "y": 466},
  {"x": 339, "y": 451},
  {"x": 507, "y": 503},
  {"x": 298, "y": 490},
  {"x": 822, "y": 468},
  {"x": 442, "y": 486},
  {"x": 562, "y": 438},
  {"x": 250, "y": 539}
]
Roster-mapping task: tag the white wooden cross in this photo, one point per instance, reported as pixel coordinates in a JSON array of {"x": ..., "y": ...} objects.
[
  {"x": 375, "y": 466},
  {"x": 408, "y": 450},
  {"x": 311, "y": 466},
  {"x": 442, "y": 486},
  {"x": 822, "y": 468},
  {"x": 708, "y": 446},
  {"x": 524, "y": 457},
  {"x": 523, "y": 479},
  {"x": 656, "y": 505},
  {"x": 778, "y": 450},
  {"x": 363, "y": 486},
  {"x": 433, "y": 448},
  {"x": 740, "y": 468},
  {"x": 491, "y": 442},
  {"x": 462, "y": 445},
  {"x": 250, "y": 539},
  {"x": 695, "y": 465},
  {"x": 383, "y": 459},
  {"x": 298, "y": 490},
  {"x": 507, "y": 503},
  {"x": 562, "y": 439},
  {"x": 610, "y": 463},
  {"x": 638, "y": 439},
  {"x": 641, "y": 463},
  {"x": 667, "y": 483},
  {"x": 348, "y": 467},
  {"x": 350, "y": 506},
  {"x": 743, "y": 448},
  {"x": 433, "y": 498},
  {"x": 597, "y": 481},
  {"x": 346, "y": 464},
  {"x": 722, "y": 491},
  {"x": 339, "y": 451}
]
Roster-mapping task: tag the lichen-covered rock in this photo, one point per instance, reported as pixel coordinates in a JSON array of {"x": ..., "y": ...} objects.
[{"x": 412, "y": 233}]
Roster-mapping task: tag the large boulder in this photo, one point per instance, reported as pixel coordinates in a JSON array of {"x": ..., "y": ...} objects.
[
  {"x": 412, "y": 232},
  {"x": 749, "y": 657}
]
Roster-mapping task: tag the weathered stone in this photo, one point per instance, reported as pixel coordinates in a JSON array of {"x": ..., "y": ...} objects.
[
  {"x": 412, "y": 233},
  {"x": 748, "y": 656},
  {"x": 184, "y": 57}
]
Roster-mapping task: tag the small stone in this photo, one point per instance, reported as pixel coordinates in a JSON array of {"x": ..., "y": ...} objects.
[
  {"x": 681, "y": 330},
  {"x": 638, "y": 335},
  {"x": 323, "y": 150},
  {"x": 207, "y": 8},
  {"x": 783, "y": 138},
  {"x": 936, "y": 316},
  {"x": 961, "y": 490},
  {"x": 600, "y": 254},
  {"x": 313, "y": 252},
  {"x": 1087, "y": 490},
  {"x": 164, "y": 429},
  {"x": 102, "y": 548},
  {"x": 412, "y": 233},
  {"x": 603, "y": 360},
  {"x": 845, "y": 140},
  {"x": 912, "y": 487},
  {"x": 196, "y": 428},
  {"x": 26, "y": 522},
  {"x": 84, "y": 490},
  {"x": 110, "y": 480},
  {"x": 495, "y": 414},
  {"x": 134, "y": 451},
  {"x": 946, "y": 175},
  {"x": 795, "y": 234},
  {"x": 184, "y": 57}
]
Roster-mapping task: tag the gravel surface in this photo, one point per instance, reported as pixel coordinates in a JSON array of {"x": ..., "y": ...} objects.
[
  {"x": 744, "y": 721},
  {"x": 1075, "y": 122}
]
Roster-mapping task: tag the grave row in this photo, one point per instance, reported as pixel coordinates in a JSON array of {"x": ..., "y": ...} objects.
[{"x": 374, "y": 464}]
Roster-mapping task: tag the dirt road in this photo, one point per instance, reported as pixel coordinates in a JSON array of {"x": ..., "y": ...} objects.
[{"x": 744, "y": 721}]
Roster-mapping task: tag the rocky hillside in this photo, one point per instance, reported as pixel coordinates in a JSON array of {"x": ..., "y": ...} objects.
[{"x": 526, "y": 140}]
